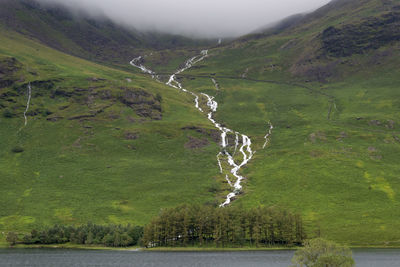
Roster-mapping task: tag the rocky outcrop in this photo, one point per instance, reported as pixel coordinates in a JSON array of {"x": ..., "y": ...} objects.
[
  {"x": 212, "y": 133},
  {"x": 142, "y": 102},
  {"x": 372, "y": 33},
  {"x": 8, "y": 68}
]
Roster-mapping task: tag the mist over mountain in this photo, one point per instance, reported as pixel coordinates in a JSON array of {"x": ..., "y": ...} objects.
[{"x": 206, "y": 18}]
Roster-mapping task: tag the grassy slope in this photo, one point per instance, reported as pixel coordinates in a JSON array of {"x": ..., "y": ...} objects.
[
  {"x": 75, "y": 171},
  {"x": 340, "y": 173}
]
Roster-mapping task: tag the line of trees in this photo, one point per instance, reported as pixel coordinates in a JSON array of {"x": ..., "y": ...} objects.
[
  {"x": 231, "y": 226},
  {"x": 89, "y": 234},
  {"x": 187, "y": 225}
]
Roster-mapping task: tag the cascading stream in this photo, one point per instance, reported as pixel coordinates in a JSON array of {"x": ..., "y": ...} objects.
[
  {"x": 136, "y": 63},
  {"x": 28, "y": 103},
  {"x": 267, "y": 137},
  {"x": 245, "y": 146}
]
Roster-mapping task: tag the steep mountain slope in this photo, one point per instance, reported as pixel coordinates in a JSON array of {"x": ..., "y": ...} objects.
[
  {"x": 94, "y": 38},
  {"x": 100, "y": 144},
  {"x": 329, "y": 85}
]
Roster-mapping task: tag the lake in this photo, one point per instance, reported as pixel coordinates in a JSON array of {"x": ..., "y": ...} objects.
[{"x": 66, "y": 257}]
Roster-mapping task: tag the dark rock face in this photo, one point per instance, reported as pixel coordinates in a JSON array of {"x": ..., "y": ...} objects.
[
  {"x": 143, "y": 103},
  {"x": 8, "y": 67},
  {"x": 213, "y": 134},
  {"x": 372, "y": 33}
]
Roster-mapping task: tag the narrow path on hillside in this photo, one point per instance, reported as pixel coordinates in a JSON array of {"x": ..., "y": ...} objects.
[{"x": 226, "y": 160}]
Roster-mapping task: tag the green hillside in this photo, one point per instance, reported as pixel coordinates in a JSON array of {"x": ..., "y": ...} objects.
[
  {"x": 112, "y": 145},
  {"x": 100, "y": 145},
  {"x": 335, "y": 147}
]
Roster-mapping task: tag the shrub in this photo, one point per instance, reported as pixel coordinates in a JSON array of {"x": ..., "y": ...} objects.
[{"x": 322, "y": 253}]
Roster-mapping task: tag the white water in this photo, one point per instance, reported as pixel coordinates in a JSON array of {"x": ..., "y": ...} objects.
[
  {"x": 136, "y": 63},
  {"x": 245, "y": 150},
  {"x": 267, "y": 137},
  {"x": 215, "y": 84},
  {"x": 28, "y": 103},
  {"x": 245, "y": 146}
]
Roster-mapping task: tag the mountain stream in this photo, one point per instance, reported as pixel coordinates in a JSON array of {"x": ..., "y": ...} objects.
[{"x": 242, "y": 143}]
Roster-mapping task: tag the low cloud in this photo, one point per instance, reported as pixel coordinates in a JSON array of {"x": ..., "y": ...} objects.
[{"x": 203, "y": 18}]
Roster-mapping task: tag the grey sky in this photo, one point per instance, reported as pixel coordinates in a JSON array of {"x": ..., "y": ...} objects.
[{"x": 213, "y": 18}]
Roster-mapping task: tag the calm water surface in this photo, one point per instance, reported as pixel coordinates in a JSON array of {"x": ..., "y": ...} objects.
[{"x": 62, "y": 257}]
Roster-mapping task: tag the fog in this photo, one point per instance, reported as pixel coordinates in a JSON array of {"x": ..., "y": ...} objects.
[{"x": 202, "y": 18}]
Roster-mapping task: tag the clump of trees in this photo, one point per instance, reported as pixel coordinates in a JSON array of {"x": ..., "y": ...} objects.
[
  {"x": 89, "y": 234},
  {"x": 221, "y": 227},
  {"x": 319, "y": 252},
  {"x": 187, "y": 225}
]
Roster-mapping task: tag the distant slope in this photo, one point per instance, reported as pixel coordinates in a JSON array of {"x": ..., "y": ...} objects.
[
  {"x": 97, "y": 39},
  {"x": 310, "y": 47}
]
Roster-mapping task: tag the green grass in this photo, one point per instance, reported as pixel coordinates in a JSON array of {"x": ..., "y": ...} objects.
[
  {"x": 327, "y": 159},
  {"x": 347, "y": 188},
  {"x": 75, "y": 171}
]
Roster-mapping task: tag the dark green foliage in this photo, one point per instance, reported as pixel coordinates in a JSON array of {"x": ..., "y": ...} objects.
[
  {"x": 221, "y": 227},
  {"x": 322, "y": 253},
  {"x": 90, "y": 234}
]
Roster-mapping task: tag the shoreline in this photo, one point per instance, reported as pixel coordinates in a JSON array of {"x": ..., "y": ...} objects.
[
  {"x": 69, "y": 246},
  {"x": 171, "y": 249}
]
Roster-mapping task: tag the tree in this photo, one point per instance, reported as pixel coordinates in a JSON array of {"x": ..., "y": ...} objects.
[
  {"x": 12, "y": 238},
  {"x": 108, "y": 240},
  {"x": 322, "y": 253},
  {"x": 90, "y": 239},
  {"x": 126, "y": 240}
]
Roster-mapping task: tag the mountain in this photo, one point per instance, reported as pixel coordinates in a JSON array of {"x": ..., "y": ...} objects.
[
  {"x": 311, "y": 47},
  {"x": 108, "y": 144},
  {"x": 79, "y": 34}
]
